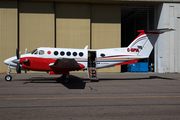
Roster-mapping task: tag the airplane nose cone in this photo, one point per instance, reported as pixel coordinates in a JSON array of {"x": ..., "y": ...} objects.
[
  {"x": 6, "y": 61},
  {"x": 9, "y": 61}
]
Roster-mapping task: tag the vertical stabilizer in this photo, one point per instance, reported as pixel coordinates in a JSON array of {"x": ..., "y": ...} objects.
[{"x": 144, "y": 42}]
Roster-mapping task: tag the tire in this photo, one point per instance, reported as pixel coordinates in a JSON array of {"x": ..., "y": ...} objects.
[
  {"x": 8, "y": 77},
  {"x": 66, "y": 81}
]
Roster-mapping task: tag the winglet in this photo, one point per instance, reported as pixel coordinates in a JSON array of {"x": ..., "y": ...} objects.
[{"x": 86, "y": 47}]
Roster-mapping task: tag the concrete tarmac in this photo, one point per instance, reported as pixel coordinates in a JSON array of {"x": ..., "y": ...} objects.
[{"x": 125, "y": 96}]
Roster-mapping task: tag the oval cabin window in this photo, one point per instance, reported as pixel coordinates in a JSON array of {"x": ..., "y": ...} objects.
[
  {"x": 56, "y": 53},
  {"x": 62, "y": 53},
  {"x": 68, "y": 53}
]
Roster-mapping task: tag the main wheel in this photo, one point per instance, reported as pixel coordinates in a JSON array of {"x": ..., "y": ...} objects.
[
  {"x": 8, "y": 77},
  {"x": 66, "y": 81}
]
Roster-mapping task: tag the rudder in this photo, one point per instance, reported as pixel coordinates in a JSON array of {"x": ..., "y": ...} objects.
[{"x": 144, "y": 42}]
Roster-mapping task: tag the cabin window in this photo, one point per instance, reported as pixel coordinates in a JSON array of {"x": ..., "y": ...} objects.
[
  {"x": 62, "y": 53},
  {"x": 34, "y": 51},
  {"x": 68, "y": 53},
  {"x": 41, "y": 52},
  {"x": 81, "y": 54},
  {"x": 102, "y": 55},
  {"x": 74, "y": 53},
  {"x": 56, "y": 53}
]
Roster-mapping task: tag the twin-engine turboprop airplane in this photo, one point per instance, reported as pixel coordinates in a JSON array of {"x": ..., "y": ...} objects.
[{"x": 63, "y": 60}]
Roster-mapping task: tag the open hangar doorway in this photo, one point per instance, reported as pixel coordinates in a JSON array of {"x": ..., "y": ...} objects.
[{"x": 134, "y": 18}]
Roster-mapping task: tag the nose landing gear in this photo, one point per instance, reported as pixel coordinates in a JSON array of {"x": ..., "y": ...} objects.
[
  {"x": 63, "y": 79},
  {"x": 8, "y": 77}
]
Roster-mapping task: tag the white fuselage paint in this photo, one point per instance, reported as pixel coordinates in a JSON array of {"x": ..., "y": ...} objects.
[{"x": 112, "y": 56}]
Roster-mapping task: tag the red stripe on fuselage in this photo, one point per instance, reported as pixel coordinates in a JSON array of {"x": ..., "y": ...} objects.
[
  {"x": 116, "y": 56},
  {"x": 128, "y": 62}
]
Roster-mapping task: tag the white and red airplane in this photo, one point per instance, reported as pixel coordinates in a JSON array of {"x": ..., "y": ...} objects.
[{"x": 64, "y": 60}]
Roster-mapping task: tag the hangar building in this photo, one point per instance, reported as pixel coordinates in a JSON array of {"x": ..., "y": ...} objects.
[{"x": 97, "y": 23}]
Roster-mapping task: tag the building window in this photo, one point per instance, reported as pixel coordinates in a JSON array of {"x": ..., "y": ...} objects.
[
  {"x": 68, "y": 53},
  {"x": 74, "y": 53},
  {"x": 56, "y": 53},
  {"x": 81, "y": 54},
  {"x": 62, "y": 53}
]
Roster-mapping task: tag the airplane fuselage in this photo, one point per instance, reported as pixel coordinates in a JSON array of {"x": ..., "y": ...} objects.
[
  {"x": 64, "y": 60},
  {"x": 40, "y": 59}
]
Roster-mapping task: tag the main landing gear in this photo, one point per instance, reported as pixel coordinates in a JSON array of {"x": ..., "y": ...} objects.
[{"x": 64, "y": 79}]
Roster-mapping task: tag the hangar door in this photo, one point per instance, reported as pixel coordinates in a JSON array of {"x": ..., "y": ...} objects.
[
  {"x": 36, "y": 25},
  {"x": 106, "y": 29},
  {"x": 72, "y": 25},
  {"x": 8, "y": 31}
]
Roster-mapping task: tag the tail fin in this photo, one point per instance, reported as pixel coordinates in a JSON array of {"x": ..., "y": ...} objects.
[{"x": 144, "y": 42}]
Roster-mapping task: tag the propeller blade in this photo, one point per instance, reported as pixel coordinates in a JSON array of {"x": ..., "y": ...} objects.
[
  {"x": 17, "y": 53},
  {"x": 18, "y": 68}
]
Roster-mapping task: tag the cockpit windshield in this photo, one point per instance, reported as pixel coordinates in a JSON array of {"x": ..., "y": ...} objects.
[{"x": 34, "y": 51}]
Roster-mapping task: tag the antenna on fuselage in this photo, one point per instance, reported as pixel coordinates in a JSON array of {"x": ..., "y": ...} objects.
[
  {"x": 26, "y": 51},
  {"x": 86, "y": 47}
]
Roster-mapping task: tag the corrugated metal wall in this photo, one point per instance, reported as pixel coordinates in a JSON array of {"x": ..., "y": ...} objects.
[
  {"x": 106, "y": 29},
  {"x": 167, "y": 47},
  {"x": 66, "y": 25},
  {"x": 72, "y": 25},
  {"x": 8, "y": 31},
  {"x": 36, "y": 25}
]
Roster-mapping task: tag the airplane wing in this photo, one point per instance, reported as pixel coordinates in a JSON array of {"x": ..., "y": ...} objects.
[{"x": 66, "y": 63}]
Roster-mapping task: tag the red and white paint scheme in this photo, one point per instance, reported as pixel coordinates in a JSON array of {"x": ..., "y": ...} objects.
[{"x": 64, "y": 60}]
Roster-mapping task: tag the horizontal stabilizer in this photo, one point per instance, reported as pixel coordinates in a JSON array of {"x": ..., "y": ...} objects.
[
  {"x": 156, "y": 31},
  {"x": 145, "y": 41}
]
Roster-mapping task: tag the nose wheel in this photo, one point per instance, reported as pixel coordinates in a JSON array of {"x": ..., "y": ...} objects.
[{"x": 8, "y": 77}]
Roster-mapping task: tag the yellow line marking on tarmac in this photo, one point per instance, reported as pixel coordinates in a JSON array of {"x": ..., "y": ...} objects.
[{"x": 61, "y": 98}]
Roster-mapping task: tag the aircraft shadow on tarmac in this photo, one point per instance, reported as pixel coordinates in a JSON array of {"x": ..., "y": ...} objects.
[
  {"x": 80, "y": 83},
  {"x": 142, "y": 78},
  {"x": 75, "y": 82}
]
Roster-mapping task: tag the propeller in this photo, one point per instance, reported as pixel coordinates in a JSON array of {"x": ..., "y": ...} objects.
[
  {"x": 26, "y": 60},
  {"x": 18, "y": 67},
  {"x": 17, "y": 61}
]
